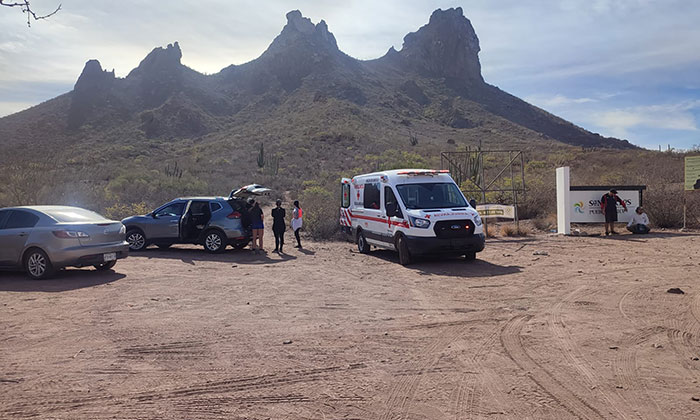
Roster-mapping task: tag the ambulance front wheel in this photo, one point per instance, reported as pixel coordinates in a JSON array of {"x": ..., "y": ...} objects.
[
  {"x": 402, "y": 247},
  {"x": 362, "y": 244}
]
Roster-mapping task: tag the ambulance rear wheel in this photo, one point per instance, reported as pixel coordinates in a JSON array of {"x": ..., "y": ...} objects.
[
  {"x": 404, "y": 254},
  {"x": 362, "y": 244}
]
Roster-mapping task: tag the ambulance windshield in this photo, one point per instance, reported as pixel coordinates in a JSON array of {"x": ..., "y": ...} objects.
[{"x": 438, "y": 195}]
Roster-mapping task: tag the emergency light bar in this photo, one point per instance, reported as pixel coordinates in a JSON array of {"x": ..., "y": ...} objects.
[{"x": 428, "y": 172}]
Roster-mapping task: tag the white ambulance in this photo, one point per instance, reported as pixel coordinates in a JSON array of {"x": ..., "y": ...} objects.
[{"x": 412, "y": 211}]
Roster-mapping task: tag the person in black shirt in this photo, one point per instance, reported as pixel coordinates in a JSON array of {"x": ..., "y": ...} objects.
[
  {"x": 256, "y": 217},
  {"x": 279, "y": 225},
  {"x": 608, "y": 204}
]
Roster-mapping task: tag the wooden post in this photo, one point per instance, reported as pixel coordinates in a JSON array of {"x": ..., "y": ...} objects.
[{"x": 685, "y": 209}]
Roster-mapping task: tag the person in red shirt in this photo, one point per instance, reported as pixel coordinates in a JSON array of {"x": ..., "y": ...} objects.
[{"x": 608, "y": 204}]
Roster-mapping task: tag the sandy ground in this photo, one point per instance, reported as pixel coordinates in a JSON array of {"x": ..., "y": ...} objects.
[{"x": 587, "y": 331}]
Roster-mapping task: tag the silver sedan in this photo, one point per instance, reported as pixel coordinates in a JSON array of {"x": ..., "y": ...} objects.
[{"x": 43, "y": 239}]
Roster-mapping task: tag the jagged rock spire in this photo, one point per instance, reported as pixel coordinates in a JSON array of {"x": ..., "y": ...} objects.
[
  {"x": 93, "y": 77},
  {"x": 446, "y": 47}
]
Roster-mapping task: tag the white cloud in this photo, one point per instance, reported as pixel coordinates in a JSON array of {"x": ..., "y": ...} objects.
[
  {"x": 7, "y": 108},
  {"x": 676, "y": 116},
  {"x": 556, "y": 101}
]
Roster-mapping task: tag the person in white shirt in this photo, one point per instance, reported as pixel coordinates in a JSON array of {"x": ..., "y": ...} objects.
[
  {"x": 639, "y": 223},
  {"x": 297, "y": 222}
]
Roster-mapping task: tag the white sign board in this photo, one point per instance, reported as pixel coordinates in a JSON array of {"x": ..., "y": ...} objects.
[
  {"x": 487, "y": 211},
  {"x": 585, "y": 206}
]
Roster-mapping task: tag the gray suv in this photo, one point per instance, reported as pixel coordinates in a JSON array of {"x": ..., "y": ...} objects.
[{"x": 213, "y": 222}]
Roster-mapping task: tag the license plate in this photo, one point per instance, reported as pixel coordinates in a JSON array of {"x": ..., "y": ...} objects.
[{"x": 110, "y": 256}]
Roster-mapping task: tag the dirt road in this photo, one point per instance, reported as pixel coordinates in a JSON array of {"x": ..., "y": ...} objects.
[{"x": 585, "y": 332}]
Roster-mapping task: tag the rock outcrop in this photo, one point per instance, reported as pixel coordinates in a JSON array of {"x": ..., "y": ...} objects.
[{"x": 446, "y": 47}]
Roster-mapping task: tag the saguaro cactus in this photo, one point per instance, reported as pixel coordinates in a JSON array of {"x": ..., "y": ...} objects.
[{"x": 261, "y": 156}]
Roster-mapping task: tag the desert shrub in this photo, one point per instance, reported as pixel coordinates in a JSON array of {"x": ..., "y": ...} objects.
[
  {"x": 490, "y": 229},
  {"x": 512, "y": 230},
  {"x": 540, "y": 198},
  {"x": 152, "y": 187},
  {"x": 320, "y": 212},
  {"x": 120, "y": 211},
  {"x": 545, "y": 223},
  {"x": 664, "y": 205}
]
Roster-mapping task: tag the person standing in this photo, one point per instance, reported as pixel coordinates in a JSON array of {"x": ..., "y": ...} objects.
[
  {"x": 608, "y": 204},
  {"x": 297, "y": 222},
  {"x": 279, "y": 225},
  {"x": 639, "y": 223},
  {"x": 256, "y": 218}
]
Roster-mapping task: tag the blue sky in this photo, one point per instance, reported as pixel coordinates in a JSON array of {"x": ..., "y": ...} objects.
[{"x": 623, "y": 68}]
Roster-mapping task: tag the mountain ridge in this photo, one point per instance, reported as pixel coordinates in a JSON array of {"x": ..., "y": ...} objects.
[{"x": 166, "y": 99}]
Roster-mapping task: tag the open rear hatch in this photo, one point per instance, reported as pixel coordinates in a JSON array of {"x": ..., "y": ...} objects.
[{"x": 249, "y": 191}]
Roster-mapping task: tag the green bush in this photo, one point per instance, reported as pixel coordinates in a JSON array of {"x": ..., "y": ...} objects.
[
  {"x": 321, "y": 212},
  {"x": 120, "y": 211}
]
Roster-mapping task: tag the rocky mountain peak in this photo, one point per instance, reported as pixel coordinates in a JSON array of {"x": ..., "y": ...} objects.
[
  {"x": 300, "y": 32},
  {"x": 446, "y": 47},
  {"x": 93, "y": 77},
  {"x": 160, "y": 59}
]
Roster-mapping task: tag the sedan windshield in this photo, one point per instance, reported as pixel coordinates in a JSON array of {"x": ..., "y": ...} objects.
[{"x": 437, "y": 195}]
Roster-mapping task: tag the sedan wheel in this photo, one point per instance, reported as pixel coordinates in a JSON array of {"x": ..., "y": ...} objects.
[
  {"x": 37, "y": 264},
  {"x": 106, "y": 266},
  {"x": 214, "y": 242},
  {"x": 136, "y": 240}
]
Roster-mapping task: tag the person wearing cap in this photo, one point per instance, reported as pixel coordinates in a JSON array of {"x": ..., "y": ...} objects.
[
  {"x": 279, "y": 225},
  {"x": 639, "y": 223},
  {"x": 256, "y": 218},
  {"x": 608, "y": 204}
]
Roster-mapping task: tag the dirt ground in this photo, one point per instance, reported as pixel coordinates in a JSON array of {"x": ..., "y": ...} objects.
[{"x": 586, "y": 331}]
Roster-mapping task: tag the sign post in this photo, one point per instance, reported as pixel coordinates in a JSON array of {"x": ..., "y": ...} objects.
[{"x": 563, "y": 201}]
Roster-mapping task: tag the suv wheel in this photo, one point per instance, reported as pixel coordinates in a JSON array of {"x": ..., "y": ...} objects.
[
  {"x": 37, "y": 264},
  {"x": 470, "y": 256},
  {"x": 136, "y": 240},
  {"x": 214, "y": 242}
]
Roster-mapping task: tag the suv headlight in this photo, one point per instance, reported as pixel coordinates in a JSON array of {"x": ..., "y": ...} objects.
[
  {"x": 477, "y": 219},
  {"x": 419, "y": 223},
  {"x": 122, "y": 230}
]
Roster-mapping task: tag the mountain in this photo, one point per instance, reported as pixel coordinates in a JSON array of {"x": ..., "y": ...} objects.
[
  {"x": 167, "y": 99},
  {"x": 315, "y": 109}
]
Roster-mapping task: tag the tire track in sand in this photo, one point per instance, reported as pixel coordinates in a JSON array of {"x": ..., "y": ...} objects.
[
  {"x": 403, "y": 392},
  {"x": 512, "y": 343},
  {"x": 626, "y": 371},
  {"x": 683, "y": 333},
  {"x": 471, "y": 387},
  {"x": 625, "y": 367},
  {"x": 574, "y": 357}
]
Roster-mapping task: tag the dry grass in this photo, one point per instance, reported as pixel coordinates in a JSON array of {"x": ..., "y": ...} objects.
[{"x": 514, "y": 231}]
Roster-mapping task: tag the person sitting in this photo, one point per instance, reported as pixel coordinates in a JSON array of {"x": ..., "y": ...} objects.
[{"x": 639, "y": 223}]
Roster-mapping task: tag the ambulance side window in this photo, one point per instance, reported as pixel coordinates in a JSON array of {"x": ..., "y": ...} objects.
[
  {"x": 371, "y": 198},
  {"x": 345, "y": 199}
]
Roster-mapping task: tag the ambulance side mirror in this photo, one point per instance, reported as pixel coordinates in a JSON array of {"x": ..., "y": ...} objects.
[
  {"x": 472, "y": 203},
  {"x": 391, "y": 209}
]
